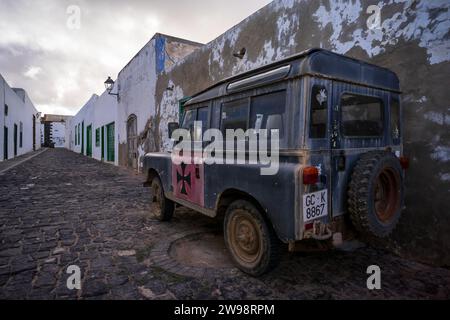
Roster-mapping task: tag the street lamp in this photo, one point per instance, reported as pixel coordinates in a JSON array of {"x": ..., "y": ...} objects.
[{"x": 109, "y": 84}]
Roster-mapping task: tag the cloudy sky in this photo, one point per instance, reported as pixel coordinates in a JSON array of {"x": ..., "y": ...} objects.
[{"x": 61, "y": 64}]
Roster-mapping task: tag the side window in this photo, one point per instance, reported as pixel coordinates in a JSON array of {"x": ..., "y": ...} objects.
[
  {"x": 268, "y": 112},
  {"x": 395, "y": 120},
  {"x": 319, "y": 112},
  {"x": 188, "y": 120},
  {"x": 234, "y": 115},
  {"x": 362, "y": 116},
  {"x": 202, "y": 116}
]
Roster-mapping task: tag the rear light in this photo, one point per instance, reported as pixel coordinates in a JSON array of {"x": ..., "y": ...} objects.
[
  {"x": 404, "y": 162},
  {"x": 310, "y": 175},
  {"x": 309, "y": 226}
]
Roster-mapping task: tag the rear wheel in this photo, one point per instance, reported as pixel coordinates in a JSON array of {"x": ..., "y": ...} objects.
[
  {"x": 161, "y": 207},
  {"x": 375, "y": 193},
  {"x": 252, "y": 242}
]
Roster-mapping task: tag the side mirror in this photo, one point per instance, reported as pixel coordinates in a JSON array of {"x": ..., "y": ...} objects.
[{"x": 172, "y": 127}]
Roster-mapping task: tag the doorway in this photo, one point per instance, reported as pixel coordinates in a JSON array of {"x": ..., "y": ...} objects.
[
  {"x": 82, "y": 137},
  {"x": 103, "y": 143},
  {"x": 15, "y": 140},
  {"x": 34, "y": 133},
  {"x": 110, "y": 156},
  {"x": 89, "y": 140},
  {"x": 132, "y": 141},
  {"x": 5, "y": 143}
]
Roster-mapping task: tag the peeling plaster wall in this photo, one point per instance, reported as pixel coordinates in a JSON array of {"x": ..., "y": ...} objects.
[
  {"x": 20, "y": 110},
  {"x": 137, "y": 85},
  {"x": 413, "y": 40}
]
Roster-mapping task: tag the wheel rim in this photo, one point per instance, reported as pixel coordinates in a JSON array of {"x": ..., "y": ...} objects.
[
  {"x": 156, "y": 200},
  {"x": 387, "y": 194},
  {"x": 245, "y": 238}
]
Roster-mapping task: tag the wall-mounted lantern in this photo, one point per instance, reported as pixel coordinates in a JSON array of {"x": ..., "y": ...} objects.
[{"x": 109, "y": 85}]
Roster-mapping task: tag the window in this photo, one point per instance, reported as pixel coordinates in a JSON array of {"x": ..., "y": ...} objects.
[
  {"x": 202, "y": 116},
  {"x": 319, "y": 112},
  {"x": 234, "y": 115},
  {"x": 189, "y": 119},
  {"x": 268, "y": 112},
  {"x": 97, "y": 137},
  {"x": 362, "y": 116},
  {"x": 395, "y": 120},
  {"x": 6, "y": 109},
  {"x": 192, "y": 115},
  {"x": 20, "y": 135}
]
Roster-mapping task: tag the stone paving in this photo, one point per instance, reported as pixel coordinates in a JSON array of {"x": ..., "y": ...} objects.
[{"x": 61, "y": 208}]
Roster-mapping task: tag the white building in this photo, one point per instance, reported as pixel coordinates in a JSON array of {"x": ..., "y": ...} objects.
[
  {"x": 19, "y": 121},
  {"x": 92, "y": 130},
  {"x": 115, "y": 128}
]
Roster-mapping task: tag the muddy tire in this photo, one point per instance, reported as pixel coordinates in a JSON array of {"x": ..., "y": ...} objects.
[
  {"x": 161, "y": 207},
  {"x": 375, "y": 194},
  {"x": 251, "y": 241}
]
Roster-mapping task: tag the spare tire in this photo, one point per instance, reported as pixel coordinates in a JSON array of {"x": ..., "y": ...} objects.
[{"x": 375, "y": 194}]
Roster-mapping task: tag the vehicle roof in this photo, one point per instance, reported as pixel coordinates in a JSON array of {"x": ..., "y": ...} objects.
[{"x": 314, "y": 62}]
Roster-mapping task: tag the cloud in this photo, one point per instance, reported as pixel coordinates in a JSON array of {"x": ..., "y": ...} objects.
[
  {"x": 32, "y": 72},
  {"x": 61, "y": 67}
]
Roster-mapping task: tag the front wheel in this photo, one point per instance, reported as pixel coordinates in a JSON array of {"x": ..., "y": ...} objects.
[
  {"x": 161, "y": 207},
  {"x": 252, "y": 242}
]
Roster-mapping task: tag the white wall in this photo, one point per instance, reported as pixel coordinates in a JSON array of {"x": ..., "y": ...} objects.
[
  {"x": 58, "y": 130},
  {"x": 20, "y": 111},
  {"x": 98, "y": 112},
  {"x": 136, "y": 86},
  {"x": 137, "y": 83}
]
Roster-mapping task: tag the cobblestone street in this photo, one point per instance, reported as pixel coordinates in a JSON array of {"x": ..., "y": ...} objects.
[{"x": 60, "y": 208}]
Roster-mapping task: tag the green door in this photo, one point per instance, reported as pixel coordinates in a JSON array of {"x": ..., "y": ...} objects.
[
  {"x": 5, "y": 143},
  {"x": 15, "y": 140},
  {"x": 110, "y": 142},
  {"x": 103, "y": 142},
  {"x": 89, "y": 140},
  {"x": 82, "y": 137}
]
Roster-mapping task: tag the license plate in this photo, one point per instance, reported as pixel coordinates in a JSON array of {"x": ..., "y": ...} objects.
[{"x": 315, "y": 205}]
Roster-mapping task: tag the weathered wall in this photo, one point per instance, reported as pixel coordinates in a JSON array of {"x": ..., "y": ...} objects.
[
  {"x": 413, "y": 41},
  {"x": 20, "y": 110},
  {"x": 136, "y": 86}
]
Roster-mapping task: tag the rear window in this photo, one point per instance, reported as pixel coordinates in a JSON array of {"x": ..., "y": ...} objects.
[
  {"x": 319, "y": 112},
  {"x": 235, "y": 114},
  {"x": 268, "y": 112},
  {"x": 361, "y": 116}
]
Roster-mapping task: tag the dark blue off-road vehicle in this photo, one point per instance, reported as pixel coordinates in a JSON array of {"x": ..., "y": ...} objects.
[{"x": 340, "y": 152}]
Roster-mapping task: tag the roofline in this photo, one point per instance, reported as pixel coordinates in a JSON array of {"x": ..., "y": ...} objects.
[
  {"x": 154, "y": 37},
  {"x": 174, "y": 38},
  {"x": 293, "y": 57}
]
